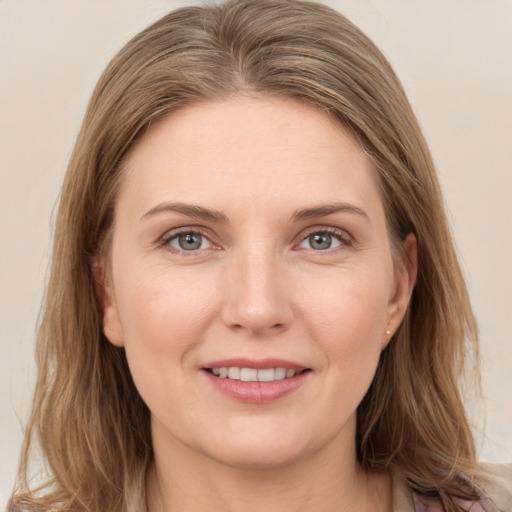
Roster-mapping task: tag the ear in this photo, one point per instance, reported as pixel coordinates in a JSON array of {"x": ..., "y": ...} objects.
[
  {"x": 105, "y": 294},
  {"x": 405, "y": 279}
]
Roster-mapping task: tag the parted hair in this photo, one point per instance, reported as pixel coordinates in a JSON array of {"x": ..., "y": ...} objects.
[{"x": 88, "y": 424}]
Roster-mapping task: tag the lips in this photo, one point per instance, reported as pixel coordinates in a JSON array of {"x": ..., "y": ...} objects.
[
  {"x": 254, "y": 374},
  {"x": 256, "y": 382}
]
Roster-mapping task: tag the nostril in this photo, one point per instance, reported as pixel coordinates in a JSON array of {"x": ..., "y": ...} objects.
[{"x": 258, "y": 328}]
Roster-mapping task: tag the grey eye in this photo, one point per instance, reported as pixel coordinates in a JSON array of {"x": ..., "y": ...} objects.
[
  {"x": 320, "y": 241},
  {"x": 187, "y": 242}
]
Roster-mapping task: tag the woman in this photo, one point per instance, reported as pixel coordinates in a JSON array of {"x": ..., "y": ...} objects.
[{"x": 254, "y": 298}]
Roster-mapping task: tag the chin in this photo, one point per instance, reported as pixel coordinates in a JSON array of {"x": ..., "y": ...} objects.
[
  {"x": 263, "y": 451},
  {"x": 254, "y": 458}
]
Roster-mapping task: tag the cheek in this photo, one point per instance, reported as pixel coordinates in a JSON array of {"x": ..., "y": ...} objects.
[
  {"x": 164, "y": 313},
  {"x": 163, "y": 317},
  {"x": 349, "y": 306},
  {"x": 347, "y": 318}
]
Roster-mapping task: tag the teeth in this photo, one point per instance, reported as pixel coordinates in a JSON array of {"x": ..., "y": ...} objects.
[
  {"x": 266, "y": 375},
  {"x": 280, "y": 373},
  {"x": 234, "y": 373},
  {"x": 248, "y": 374},
  {"x": 254, "y": 375}
]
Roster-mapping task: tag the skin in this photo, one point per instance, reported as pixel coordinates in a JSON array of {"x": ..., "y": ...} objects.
[{"x": 255, "y": 288}]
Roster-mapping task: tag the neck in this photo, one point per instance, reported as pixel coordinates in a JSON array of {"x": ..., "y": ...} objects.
[{"x": 194, "y": 482}]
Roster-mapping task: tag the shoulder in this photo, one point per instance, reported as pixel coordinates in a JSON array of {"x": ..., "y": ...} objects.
[
  {"x": 493, "y": 483},
  {"x": 496, "y": 482}
]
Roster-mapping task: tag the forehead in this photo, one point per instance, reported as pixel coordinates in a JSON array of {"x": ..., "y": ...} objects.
[{"x": 250, "y": 150}]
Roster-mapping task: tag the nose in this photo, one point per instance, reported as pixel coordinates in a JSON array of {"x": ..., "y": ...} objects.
[{"x": 257, "y": 296}]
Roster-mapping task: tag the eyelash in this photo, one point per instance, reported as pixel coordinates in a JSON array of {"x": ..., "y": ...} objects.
[
  {"x": 345, "y": 240},
  {"x": 170, "y": 236}
]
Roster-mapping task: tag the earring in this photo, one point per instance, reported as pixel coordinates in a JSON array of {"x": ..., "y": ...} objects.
[{"x": 388, "y": 332}]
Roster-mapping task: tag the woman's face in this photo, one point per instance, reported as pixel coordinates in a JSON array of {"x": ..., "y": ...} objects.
[{"x": 250, "y": 240}]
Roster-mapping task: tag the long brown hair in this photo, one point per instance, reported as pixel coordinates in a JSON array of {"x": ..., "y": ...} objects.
[{"x": 91, "y": 425}]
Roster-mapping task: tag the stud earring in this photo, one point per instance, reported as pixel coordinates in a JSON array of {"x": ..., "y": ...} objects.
[{"x": 388, "y": 332}]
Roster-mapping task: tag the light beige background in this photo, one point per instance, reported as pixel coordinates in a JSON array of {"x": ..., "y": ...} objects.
[{"x": 455, "y": 60}]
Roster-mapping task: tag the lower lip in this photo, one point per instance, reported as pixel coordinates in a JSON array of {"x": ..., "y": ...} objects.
[{"x": 257, "y": 392}]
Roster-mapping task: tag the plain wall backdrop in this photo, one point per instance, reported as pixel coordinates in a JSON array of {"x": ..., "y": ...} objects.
[{"x": 455, "y": 60}]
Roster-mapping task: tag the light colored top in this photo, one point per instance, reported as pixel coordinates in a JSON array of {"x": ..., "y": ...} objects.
[{"x": 494, "y": 485}]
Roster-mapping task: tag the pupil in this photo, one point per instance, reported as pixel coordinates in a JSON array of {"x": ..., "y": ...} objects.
[
  {"x": 190, "y": 242},
  {"x": 320, "y": 241}
]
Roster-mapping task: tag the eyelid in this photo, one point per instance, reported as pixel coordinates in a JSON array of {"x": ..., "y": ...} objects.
[
  {"x": 164, "y": 240},
  {"x": 345, "y": 238},
  {"x": 342, "y": 235}
]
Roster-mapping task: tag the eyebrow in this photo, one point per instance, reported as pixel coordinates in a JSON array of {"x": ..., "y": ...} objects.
[
  {"x": 190, "y": 210},
  {"x": 202, "y": 213},
  {"x": 327, "y": 209}
]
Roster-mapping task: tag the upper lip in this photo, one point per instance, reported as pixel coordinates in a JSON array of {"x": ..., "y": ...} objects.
[{"x": 258, "y": 364}]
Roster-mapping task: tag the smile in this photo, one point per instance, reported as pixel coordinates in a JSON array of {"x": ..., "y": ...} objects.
[
  {"x": 256, "y": 381},
  {"x": 253, "y": 374}
]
